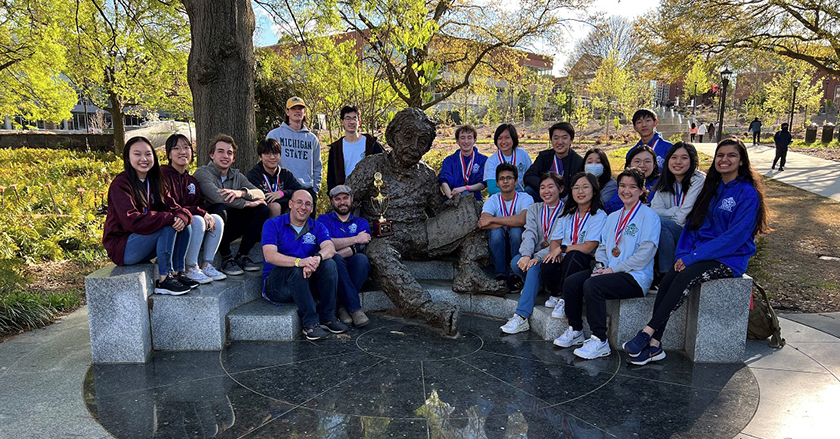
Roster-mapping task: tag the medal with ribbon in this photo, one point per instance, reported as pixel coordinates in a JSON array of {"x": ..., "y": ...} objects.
[
  {"x": 148, "y": 197},
  {"x": 557, "y": 166},
  {"x": 679, "y": 196},
  {"x": 512, "y": 210},
  {"x": 466, "y": 170},
  {"x": 623, "y": 221},
  {"x": 578, "y": 224},
  {"x": 502, "y": 157},
  {"x": 549, "y": 217},
  {"x": 268, "y": 182}
]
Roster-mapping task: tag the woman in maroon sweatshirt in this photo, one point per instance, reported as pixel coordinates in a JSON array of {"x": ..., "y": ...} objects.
[
  {"x": 144, "y": 221},
  {"x": 207, "y": 228}
]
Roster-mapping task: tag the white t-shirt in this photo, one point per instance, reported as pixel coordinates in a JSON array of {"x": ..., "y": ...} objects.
[
  {"x": 590, "y": 229},
  {"x": 493, "y": 204},
  {"x": 520, "y": 158},
  {"x": 353, "y": 154}
]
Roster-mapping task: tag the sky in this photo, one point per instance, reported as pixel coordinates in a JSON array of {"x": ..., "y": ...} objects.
[{"x": 266, "y": 30}]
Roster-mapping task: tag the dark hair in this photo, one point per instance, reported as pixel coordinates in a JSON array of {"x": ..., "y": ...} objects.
[
  {"x": 666, "y": 181},
  {"x": 563, "y": 126},
  {"x": 157, "y": 184},
  {"x": 466, "y": 129},
  {"x": 638, "y": 176},
  {"x": 596, "y": 203},
  {"x": 346, "y": 110},
  {"x": 172, "y": 142},
  {"x": 644, "y": 112},
  {"x": 267, "y": 146},
  {"x": 638, "y": 150},
  {"x": 221, "y": 138},
  {"x": 693, "y": 125},
  {"x": 558, "y": 180},
  {"x": 713, "y": 178},
  {"x": 605, "y": 161},
  {"x": 513, "y": 135},
  {"x": 507, "y": 167},
  {"x": 785, "y": 126}
]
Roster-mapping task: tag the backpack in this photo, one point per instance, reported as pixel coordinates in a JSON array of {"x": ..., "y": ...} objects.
[{"x": 763, "y": 321}]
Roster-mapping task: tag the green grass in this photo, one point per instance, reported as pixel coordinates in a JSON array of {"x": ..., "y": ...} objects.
[
  {"x": 800, "y": 144},
  {"x": 22, "y": 311}
]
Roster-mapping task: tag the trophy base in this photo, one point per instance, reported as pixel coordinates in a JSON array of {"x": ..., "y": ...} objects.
[{"x": 382, "y": 228}]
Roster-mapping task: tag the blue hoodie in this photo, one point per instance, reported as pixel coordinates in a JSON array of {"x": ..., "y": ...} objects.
[
  {"x": 727, "y": 235},
  {"x": 450, "y": 171},
  {"x": 660, "y": 147}
]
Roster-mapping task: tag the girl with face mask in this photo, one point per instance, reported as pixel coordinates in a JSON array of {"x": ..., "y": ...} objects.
[{"x": 595, "y": 162}]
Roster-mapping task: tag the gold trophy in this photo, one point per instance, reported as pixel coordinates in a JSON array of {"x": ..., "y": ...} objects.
[{"x": 379, "y": 204}]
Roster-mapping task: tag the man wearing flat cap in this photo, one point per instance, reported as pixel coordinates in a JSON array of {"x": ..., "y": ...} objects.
[{"x": 350, "y": 235}]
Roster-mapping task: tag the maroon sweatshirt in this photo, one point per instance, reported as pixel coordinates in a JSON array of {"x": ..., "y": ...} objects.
[
  {"x": 126, "y": 217},
  {"x": 184, "y": 189}
]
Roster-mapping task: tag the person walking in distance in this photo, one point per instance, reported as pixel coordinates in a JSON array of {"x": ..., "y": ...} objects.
[{"x": 782, "y": 139}]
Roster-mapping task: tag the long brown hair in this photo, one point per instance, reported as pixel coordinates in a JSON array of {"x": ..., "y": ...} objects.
[{"x": 714, "y": 179}]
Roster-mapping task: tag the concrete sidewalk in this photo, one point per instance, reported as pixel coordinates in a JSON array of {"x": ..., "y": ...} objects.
[
  {"x": 812, "y": 174},
  {"x": 42, "y": 373}
]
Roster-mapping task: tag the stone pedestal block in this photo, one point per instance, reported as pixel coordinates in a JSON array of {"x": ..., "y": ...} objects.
[
  {"x": 118, "y": 313},
  {"x": 628, "y": 316},
  {"x": 432, "y": 270},
  {"x": 717, "y": 320},
  {"x": 262, "y": 320}
]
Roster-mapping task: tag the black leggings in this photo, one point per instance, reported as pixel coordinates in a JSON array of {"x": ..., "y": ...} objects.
[
  {"x": 596, "y": 290},
  {"x": 553, "y": 274},
  {"x": 247, "y": 223},
  {"x": 676, "y": 286}
]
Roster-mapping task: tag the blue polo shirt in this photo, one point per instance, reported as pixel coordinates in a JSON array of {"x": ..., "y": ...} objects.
[
  {"x": 340, "y": 229},
  {"x": 278, "y": 231}
]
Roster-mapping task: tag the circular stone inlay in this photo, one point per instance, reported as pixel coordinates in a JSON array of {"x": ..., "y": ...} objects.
[{"x": 416, "y": 343}]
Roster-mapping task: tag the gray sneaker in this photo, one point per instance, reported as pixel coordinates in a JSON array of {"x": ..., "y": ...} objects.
[
  {"x": 248, "y": 264},
  {"x": 315, "y": 332},
  {"x": 231, "y": 268}
]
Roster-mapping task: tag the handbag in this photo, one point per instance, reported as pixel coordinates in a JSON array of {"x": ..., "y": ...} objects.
[{"x": 763, "y": 322}]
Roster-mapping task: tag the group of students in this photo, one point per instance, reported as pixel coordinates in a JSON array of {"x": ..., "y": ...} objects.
[
  {"x": 560, "y": 222},
  {"x": 566, "y": 226}
]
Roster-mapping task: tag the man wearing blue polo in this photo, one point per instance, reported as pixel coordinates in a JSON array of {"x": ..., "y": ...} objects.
[
  {"x": 298, "y": 266},
  {"x": 349, "y": 235},
  {"x": 645, "y": 122}
]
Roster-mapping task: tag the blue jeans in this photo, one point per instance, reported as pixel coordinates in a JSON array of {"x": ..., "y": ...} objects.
[
  {"x": 669, "y": 235},
  {"x": 504, "y": 246},
  {"x": 287, "y": 284},
  {"x": 169, "y": 246},
  {"x": 352, "y": 273},
  {"x": 531, "y": 288}
]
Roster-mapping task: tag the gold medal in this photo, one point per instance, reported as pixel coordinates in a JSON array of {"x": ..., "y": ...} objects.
[
  {"x": 544, "y": 244},
  {"x": 616, "y": 252}
]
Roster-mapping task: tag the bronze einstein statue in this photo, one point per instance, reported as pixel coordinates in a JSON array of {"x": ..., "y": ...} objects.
[{"x": 423, "y": 225}]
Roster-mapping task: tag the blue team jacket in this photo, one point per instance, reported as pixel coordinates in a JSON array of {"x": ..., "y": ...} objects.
[
  {"x": 450, "y": 171},
  {"x": 727, "y": 235}
]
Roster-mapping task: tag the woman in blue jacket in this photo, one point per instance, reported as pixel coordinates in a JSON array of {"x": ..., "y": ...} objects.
[{"x": 717, "y": 241}]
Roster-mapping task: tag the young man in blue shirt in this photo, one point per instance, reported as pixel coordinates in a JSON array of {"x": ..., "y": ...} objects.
[
  {"x": 349, "y": 235},
  {"x": 463, "y": 171},
  {"x": 298, "y": 265},
  {"x": 644, "y": 123}
]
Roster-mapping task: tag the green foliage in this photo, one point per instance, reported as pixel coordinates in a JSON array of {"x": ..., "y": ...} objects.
[
  {"x": 699, "y": 73},
  {"x": 780, "y": 91},
  {"x": 20, "y": 311}
]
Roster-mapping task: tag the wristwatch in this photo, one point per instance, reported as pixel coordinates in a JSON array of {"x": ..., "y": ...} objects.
[{"x": 563, "y": 248}]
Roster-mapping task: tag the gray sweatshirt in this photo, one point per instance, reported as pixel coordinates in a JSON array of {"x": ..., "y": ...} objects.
[
  {"x": 532, "y": 236},
  {"x": 210, "y": 181},
  {"x": 300, "y": 154},
  {"x": 663, "y": 202}
]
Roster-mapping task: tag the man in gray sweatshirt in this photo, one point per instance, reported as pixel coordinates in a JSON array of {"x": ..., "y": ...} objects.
[{"x": 300, "y": 149}]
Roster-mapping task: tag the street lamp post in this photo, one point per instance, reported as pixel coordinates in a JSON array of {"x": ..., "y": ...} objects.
[
  {"x": 796, "y": 83},
  {"x": 694, "y": 102},
  {"x": 725, "y": 75}
]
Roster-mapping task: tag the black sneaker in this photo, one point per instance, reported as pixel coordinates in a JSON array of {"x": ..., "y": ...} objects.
[
  {"x": 247, "y": 264},
  {"x": 315, "y": 332},
  {"x": 335, "y": 326},
  {"x": 515, "y": 283},
  {"x": 231, "y": 268},
  {"x": 187, "y": 281},
  {"x": 171, "y": 286}
]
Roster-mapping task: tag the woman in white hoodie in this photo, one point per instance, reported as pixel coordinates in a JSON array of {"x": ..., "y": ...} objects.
[{"x": 676, "y": 191}]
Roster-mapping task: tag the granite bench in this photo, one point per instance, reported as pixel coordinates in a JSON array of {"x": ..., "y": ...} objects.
[{"x": 127, "y": 321}]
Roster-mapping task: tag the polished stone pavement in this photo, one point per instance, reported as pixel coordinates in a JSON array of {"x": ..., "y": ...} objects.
[{"x": 397, "y": 379}]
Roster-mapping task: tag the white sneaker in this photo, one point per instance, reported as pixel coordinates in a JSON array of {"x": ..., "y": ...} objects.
[
  {"x": 552, "y": 301},
  {"x": 197, "y": 275},
  {"x": 559, "y": 310},
  {"x": 211, "y": 272},
  {"x": 515, "y": 325},
  {"x": 593, "y": 348},
  {"x": 570, "y": 338}
]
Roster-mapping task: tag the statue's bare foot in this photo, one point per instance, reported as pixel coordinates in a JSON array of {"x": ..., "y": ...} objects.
[{"x": 443, "y": 315}]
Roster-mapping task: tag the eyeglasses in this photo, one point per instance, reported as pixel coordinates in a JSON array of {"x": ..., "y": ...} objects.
[
  {"x": 302, "y": 203},
  {"x": 351, "y": 119},
  {"x": 506, "y": 178}
]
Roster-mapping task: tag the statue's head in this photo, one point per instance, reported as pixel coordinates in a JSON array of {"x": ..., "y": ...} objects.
[{"x": 410, "y": 134}]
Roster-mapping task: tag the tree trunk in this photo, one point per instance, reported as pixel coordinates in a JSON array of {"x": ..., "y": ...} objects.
[
  {"x": 117, "y": 122},
  {"x": 220, "y": 72}
]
